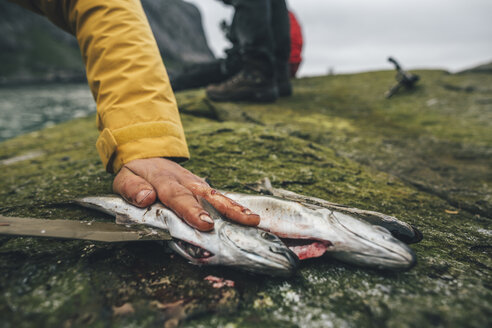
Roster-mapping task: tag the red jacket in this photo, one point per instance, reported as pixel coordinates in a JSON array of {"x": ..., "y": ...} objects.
[{"x": 295, "y": 44}]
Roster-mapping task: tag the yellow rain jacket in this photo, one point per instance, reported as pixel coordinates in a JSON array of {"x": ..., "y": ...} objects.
[{"x": 137, "y": 113}]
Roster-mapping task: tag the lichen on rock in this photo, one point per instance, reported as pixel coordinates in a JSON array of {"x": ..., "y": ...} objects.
[{"x": 422, "y": 156}]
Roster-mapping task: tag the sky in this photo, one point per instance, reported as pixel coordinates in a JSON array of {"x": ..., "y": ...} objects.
[{"x": 345, "y": 36}]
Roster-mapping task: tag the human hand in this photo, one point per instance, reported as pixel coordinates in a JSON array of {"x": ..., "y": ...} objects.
[{"x": 142, "y": 181}]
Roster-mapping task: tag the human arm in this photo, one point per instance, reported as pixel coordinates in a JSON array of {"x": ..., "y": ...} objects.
[{"x": 136, "y": 110}]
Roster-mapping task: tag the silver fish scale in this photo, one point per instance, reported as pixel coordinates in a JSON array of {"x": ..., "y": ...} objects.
[
  {"x": 353, "y": 240},
  {"x": 229, "y": 244}
]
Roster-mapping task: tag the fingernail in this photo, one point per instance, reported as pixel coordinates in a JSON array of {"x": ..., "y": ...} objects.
[
  {"x": 206, "y": 218},
  {"x": 142, "y": 195},
  {"x": 247, "y": 212}
]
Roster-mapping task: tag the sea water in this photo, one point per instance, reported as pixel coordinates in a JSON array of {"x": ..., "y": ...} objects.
[{"x": 28, "y": 108}]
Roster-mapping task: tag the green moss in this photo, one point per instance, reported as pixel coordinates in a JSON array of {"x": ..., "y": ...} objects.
[
  {"x": 437, "y": 137},
  {"x": 337, "y": 138}
]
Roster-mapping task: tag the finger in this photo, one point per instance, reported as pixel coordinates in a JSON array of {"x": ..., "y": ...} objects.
[
  {"x": 226, "y": 206},
  {"x": 134, "y": 188},
  {"x": 162, "y": 174},
  {"x": 182, "y": 201}
]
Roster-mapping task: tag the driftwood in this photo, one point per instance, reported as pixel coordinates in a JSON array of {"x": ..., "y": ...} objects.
[{"x": 404, "y": 79}]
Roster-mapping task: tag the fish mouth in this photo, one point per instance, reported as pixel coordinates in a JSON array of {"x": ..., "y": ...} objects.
[
  {"x": 191, "y": 250},
  {"x": 284, "y": 267},
  {"x": 384, "y": 252},
  {"x": 268, "y": 256}
]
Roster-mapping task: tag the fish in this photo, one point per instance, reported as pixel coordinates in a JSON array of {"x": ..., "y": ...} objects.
[
  {"x": 403, "y": 231},
  {"x": 313, "y": 231},
  {"x": 308, "y": 228},
  {"x": 228, "y": 244}
]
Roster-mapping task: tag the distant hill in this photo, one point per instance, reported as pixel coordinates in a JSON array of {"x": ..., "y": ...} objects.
[
  {"x": 32, "y": 49},
  {"x": 484, "y": 68}
]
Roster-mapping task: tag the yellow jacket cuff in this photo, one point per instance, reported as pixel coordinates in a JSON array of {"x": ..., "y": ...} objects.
[{"x": 144, "y": 140}]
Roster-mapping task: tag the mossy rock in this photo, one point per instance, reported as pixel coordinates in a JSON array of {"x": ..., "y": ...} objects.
[{"x": 423, "y": 156}]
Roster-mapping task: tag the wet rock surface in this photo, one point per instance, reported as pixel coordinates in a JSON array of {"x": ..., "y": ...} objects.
[{"x": 422, "y": 156}]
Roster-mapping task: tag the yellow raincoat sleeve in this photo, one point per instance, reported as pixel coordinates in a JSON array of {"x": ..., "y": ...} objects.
[{"x": 137, "y": 113}]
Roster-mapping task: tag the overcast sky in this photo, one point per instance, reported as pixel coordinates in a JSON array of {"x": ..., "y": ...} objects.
[{"x": 357, "y": 35}]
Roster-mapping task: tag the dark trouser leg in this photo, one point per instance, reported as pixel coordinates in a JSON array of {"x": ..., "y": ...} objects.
[
  {"x": 203, "y": 74},
  {"x": 253, "y": 36},
  {"x": 281, "y": 37},
  {"x": 252, "y": 26},
  {"x": 281, "y": 31}
]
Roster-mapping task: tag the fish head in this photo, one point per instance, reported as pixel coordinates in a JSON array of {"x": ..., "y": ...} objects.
[
  {"x": 369, "y": 245},
  {"x": 229, "y": 244},
  {"x": 258, "y": 251}
]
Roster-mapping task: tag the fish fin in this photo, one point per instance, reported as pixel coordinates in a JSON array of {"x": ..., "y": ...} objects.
[{"x": 263, "y": 186}]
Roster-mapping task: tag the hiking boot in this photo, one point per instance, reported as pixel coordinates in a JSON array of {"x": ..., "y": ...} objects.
[{"x": 247, "y": 85}]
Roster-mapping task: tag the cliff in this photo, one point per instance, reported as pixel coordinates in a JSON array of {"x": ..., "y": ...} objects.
[{"x": 32, "y": 49}]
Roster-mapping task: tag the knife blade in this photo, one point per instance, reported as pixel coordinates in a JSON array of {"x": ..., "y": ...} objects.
[{"x": 83, "y": 230}]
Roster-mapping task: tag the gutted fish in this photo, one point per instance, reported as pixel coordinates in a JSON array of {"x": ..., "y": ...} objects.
[
  {"x": 311, "y": 231},
  {"x": 229, "y": 244},
  {"x": 399, "y": 229}
]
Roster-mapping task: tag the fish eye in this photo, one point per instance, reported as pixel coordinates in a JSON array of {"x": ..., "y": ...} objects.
[{"x": 269, "y": 236}]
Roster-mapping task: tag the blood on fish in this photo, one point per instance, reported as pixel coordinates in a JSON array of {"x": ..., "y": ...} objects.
[
  {"x": 232, "y": 203},
  {"x": 309, "y": 250}
]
